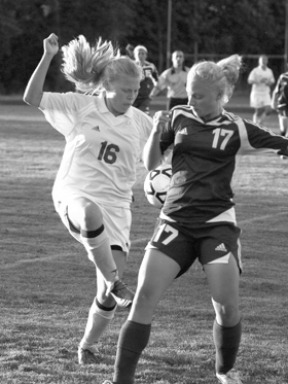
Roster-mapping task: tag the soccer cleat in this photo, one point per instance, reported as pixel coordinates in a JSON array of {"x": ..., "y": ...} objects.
[
  {"x": 86, "y": 357},
  {"x": 231, "y": 377},
  {"x": 121, "y": 294}
]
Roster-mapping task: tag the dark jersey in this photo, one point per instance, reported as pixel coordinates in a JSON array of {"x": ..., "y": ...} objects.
[
  {"x": 203, "y": 163},
  {"x": 146, "y": 84},
  {"x": 281, "y": 93}
]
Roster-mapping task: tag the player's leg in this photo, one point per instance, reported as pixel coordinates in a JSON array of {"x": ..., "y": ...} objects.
[
  {"x": 168, "y": 255},
  {"x": 220, "y": 255},
  {"x": 259, "y": 115},
  {"x": 267, "y": 110},
  {"x": 156, "y": 274},
  {"x": 223, "y": 280},
  {"x": 86, "y": 217},
  {"x": 255, "y": 116},
  {"x": 103, "y": 307},
  {"x": 100, "y": 315}
]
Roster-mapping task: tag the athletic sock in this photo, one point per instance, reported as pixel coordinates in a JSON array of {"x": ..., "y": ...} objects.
[
  {"x": 133, "y": 339},
  {"x": 99, "y": 252},
  {"x": 227, "y": 341},
  {"x": 98, "y": 320}
]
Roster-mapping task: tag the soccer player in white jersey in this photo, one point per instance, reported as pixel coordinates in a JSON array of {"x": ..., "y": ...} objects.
[
  {"x": 261, "y": 78},
  {"x": 174, "y": 79},
  {"x": 198, "y": 218},
  {"x": 104, "y": 137}
]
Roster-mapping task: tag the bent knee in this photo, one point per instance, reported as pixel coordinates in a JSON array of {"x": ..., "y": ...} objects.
[
  {"x": 227, "y": 315},
  {"x": 86, "y": 213},
  {"x": 146, "y": 300}
]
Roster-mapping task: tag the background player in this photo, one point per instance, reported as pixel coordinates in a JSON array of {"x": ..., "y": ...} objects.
[
  {"x": 104, "y": 137},
  {"x": 280, "y": 102},
  {"x": 149, "y": 80},
  {"x": 174, "y": 80},
  {"x": 261, "y": 79},
  {"x": 198, "y": 217}
]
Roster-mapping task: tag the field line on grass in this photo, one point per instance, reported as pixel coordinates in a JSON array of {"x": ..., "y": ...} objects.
[
  {"x": 22, "y": 118},
  {"x": 30, "y": 261},
  {"x": 53, "y": 257},
  {"x": 133, "y": 242},
  {"x": 262, "y": 217}
]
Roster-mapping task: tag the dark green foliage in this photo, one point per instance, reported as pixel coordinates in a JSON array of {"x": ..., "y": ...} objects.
[{"x": 206, "y": 26}]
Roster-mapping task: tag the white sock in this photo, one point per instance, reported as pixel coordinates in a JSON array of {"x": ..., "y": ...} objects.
[{"x": 98, "y": 321}]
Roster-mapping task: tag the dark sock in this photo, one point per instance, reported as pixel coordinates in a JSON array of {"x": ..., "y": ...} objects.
[
  {"x": 132, "y": 340},
  {"x": 227, "y": 341}
]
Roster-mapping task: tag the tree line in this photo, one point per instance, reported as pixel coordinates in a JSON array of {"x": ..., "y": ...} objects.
[{"x": 222, "y": 27}]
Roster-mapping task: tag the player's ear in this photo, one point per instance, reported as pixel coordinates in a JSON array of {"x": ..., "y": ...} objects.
[
  {"x": 219, "y": 95},
  {"x": 107, "y": 85}
]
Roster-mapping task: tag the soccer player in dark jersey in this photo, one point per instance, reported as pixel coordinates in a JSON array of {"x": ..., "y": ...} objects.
[
  {"x": 280, "y": 102},
  {"x": 149, "y": 80},
  {"x": 198, "y": 218}
]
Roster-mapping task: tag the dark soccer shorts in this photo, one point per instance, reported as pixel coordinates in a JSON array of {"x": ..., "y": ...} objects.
[{"x": 207, "y": 244}]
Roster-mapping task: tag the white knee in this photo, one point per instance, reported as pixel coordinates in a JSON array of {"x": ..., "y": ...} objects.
[{"x": 98, "y": 241}]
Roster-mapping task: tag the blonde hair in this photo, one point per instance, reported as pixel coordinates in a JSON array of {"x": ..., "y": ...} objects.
[
  {"x": 223, "y": 74},
  {"x": 140, "y": 48},
  {"x": 92, "y": 68}
]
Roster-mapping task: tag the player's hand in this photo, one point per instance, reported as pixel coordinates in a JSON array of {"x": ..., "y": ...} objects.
[
  {"x": 51, "y": 45},
  {"x": 160, "y": 120},
  {"x": 265, "y": 81}
]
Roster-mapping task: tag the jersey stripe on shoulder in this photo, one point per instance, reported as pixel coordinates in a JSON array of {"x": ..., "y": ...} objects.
[{"x": 183, "y": 110}]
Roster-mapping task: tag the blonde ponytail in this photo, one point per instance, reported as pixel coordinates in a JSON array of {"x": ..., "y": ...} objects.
[
  {"x": 231, "y": 68},
  {"x": 84, "y": 65},
  {"x": 222, "y": 75}
]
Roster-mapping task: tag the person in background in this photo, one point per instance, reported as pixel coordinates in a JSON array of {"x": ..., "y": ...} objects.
[
  {"x": 174, "y": 80},
  {"x": 198, "y": 219},
  {"x": 149, "y": 80},
  {"x": 104, "y": 138},
  {"x": 280, "y": 102},
  {"x": 129, "y": 51},
  {"x": 261, "y": 78}
]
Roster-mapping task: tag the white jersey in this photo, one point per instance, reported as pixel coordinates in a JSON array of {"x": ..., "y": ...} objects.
[
  {"x": 261, "y": 91},
  {"x": 175, "y": 82},
  {"x": 101, "y": 152}
]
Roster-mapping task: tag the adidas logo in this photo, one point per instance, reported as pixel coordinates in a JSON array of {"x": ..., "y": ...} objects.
[
  {"x": 221, "y": 247},
  {"x": 97, "y": 129}
]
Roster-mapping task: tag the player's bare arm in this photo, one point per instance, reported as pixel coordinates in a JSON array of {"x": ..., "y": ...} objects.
[
  {"x": 152, "y": 154},
  {"x": 34, "y": 90}
]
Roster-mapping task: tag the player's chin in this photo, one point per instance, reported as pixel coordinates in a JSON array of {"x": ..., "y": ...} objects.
[
  {"x": 126, "y": 106},
  {"x": 197, "y": 111}
]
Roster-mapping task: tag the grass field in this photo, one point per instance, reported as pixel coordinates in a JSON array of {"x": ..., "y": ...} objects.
[{"x": 47, "y": 283}]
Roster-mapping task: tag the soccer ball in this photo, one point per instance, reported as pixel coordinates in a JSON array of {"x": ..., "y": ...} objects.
[{"x": 156, "y": 185}]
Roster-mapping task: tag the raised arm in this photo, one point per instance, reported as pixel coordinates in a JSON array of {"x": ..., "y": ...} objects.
[
  {"x": 34, "y": 90},
  {"x": 152, "y": 154}
]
